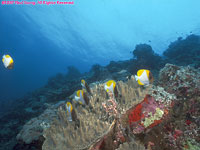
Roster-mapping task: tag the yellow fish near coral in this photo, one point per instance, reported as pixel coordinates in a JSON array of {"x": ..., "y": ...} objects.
[
  {"x": 8, "y": 61},
  {"x": 80, "y": 97},
  {"x": 69, "y": 109},
  {"x": 85, "y": 85},
  {"x": 110, "y": 86},
  {"x": 144, "y": 77}
]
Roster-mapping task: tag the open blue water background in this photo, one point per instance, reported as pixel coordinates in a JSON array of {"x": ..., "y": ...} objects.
[{"x": 43, "y": 40}]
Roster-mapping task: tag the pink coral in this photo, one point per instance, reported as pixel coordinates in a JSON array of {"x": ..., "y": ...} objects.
[
  {"x": 111, "y": 108},
  {"x": 111, "y": 105}
]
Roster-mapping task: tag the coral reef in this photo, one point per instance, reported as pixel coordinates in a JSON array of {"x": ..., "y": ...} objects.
[
  {"x": 146, "y": 58},
  {"x": 176, "y": 85},
  {"x": 180, "y": 127},
  {"x": 183, "y": 125},
  {"x": 92, "y": 120},
  {"x": 105, "y": 125},
  {"x": 32, "y": 105},
  {"x": 184, "y": 51},
  {"x": 99, "y": 73},
  {"x": 163, "y": 118}
]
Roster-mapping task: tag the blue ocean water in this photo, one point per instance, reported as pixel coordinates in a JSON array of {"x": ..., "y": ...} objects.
[{"x": 45, "y": 39}]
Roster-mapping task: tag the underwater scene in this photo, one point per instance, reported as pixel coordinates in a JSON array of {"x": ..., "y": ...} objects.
[{"x": 100, "y": 75}]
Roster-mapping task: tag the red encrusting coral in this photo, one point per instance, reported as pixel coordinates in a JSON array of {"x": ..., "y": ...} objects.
[
  {"x": 136, "y": 114},
  {"x": 142, "y": 110}
]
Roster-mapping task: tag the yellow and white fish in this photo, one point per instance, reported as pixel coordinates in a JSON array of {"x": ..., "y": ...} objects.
[
  {"x": 110, "y": 86},
  {"x": 80, "y": 97},
  {"x": 8, "y": 61},
  {"x": 144, "y": 77},
  {"x": 85, "y": 85},
  {"x": 69, "y": 109}
]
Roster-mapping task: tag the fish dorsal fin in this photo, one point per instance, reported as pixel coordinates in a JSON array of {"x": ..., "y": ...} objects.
[
  {"x": 139, "y": 73},
  {"x": 110, "y": 82},
  {"x": 83, "y": 82},
  {"x": 78, "y": 93},
  {"x": 7, "y": 56}
]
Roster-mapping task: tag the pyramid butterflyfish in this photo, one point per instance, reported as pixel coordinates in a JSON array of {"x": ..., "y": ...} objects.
[
  {"x": 69, "y": 109},
  {"x": 144, "y": 77},
  {"x": 8, "y": 61},
  {"x": 85, "y": 86},
  {"x": 81, "y": 97},
  {"x": 110, "y": 86}
]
